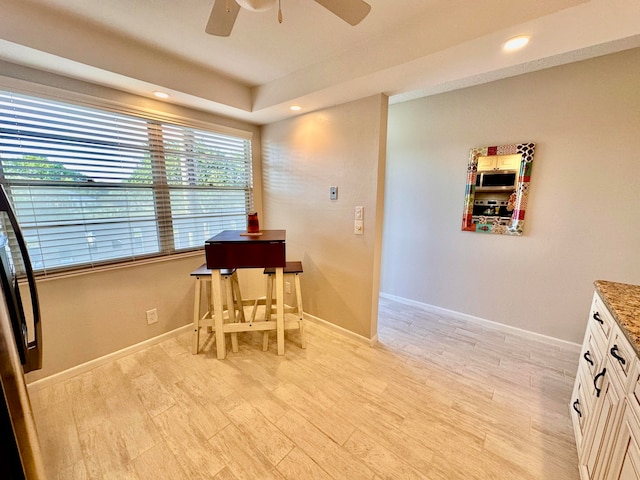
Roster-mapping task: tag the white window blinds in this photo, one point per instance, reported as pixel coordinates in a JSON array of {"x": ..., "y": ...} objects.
[{"x": 94, "y": 186}]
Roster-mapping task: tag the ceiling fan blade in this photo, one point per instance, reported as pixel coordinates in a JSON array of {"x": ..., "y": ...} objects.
[
  {"x": 221, "y": 20},
  {"x": 351, "y": 11}
]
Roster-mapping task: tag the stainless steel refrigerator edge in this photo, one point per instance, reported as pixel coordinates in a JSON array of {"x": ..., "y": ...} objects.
[{"x": 20, "y": 352}]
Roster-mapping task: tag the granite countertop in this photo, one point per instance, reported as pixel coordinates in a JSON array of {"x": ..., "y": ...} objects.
[{"x": 623, "y": 301}]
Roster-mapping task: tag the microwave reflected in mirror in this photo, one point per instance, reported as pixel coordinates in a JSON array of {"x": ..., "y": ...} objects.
[{"x": 496, "y": 180}]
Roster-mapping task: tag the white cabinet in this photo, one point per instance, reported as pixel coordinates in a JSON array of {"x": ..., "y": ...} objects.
[
  {"x": 602, "y": 422},
  {"x": 608, "y": 378},
  {"x": 500, "y": 162},
  {"x": 625, "y": 461},
  {"x": 625, "y": 458}
]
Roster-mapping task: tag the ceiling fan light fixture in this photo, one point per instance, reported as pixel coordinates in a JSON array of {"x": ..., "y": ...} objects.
[
  {"x": 224, "y": 12},
  {"x": 257, "y": 5}
]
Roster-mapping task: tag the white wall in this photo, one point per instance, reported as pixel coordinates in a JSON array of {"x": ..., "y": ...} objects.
[
  {"x": 302, "y": 157},
  {"x": 582, "y": 219}
]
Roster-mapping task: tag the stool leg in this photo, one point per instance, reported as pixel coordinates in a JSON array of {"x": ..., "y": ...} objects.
[
  {"x": 303, "y": 340},
  {"x": 231, "y": 309},
  {"x": 218, "y": 313},
  {"x": 206, "y": 283},
  {"x": 280, "y": 309},
  {"x": 196, "y": 317},
  {"x": 267, "y": 312},
  {"x": 238, "y": 296}
]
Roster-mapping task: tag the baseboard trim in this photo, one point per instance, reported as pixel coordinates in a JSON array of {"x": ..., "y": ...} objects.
[
  {"x": 90, "y": 365},
  {"x": 343, "y": 331},
  {"x": 464, "y": 316},
  {"x": 96, "y": 362}
]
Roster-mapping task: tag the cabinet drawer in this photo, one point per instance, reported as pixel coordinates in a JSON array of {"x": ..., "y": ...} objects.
[
  {"x": 600, "y": 318},
  {"x": 621, "y": 356},
  {"x": 579, "y": 411},
  {"x": 245, "y": 255},
  {"x": 591, "y": 356}
]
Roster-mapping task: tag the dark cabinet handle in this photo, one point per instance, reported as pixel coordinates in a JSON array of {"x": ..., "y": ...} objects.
[
  {"x": 576, "y": 404},
  {"x": 595, "y": 381},
  {"x": 596, "y": 317},
  {"x": 614, "y": 354},
  {"x": 587, "y": 357}
]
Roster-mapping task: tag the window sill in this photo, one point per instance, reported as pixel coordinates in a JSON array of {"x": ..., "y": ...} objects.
[{"x": 116, "y": 266}]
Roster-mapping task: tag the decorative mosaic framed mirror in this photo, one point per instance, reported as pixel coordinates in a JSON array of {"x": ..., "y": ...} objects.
[{"x": 497, "y": 189}]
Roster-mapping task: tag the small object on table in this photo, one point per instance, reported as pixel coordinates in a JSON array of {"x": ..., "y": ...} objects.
[{"x": 253, "y": 225}]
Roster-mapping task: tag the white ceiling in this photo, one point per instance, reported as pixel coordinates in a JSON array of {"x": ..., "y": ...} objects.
[{"x": 404, "y": 48}]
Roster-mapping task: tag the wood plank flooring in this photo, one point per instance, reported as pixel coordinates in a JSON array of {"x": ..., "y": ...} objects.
[{"x": 437, "y": 398}]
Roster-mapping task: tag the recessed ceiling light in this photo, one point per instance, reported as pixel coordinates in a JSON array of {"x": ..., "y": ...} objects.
[
  {"x": 295, "y": 108},
  {"x": 516, "y": 43},
  {"x": 161, "y": 94}
]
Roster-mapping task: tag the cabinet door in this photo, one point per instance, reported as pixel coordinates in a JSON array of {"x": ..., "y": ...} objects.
[
  {"x": 631, "y": 466},
  {"x": 487, "y": 163},
  {"x": 509, "y": 162},
  {"x": 602, "y": 424},
  {"x": 625, "y": 462}
]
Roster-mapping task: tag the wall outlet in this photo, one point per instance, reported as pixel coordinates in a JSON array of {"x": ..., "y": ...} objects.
[
  {"x": 152, "y": 316},
  {"x": 287, "y": 287}
]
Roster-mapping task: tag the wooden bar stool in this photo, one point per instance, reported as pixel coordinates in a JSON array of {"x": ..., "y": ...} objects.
[
  {"x": 233, "y": 297},
  {"x": 291, "y": 271}
]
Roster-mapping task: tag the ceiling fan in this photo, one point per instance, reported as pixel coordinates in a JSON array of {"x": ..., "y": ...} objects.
[{"x": 224, "y": 12}]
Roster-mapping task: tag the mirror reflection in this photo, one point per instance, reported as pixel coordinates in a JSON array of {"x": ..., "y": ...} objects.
[{"x": 497, "y": 188}]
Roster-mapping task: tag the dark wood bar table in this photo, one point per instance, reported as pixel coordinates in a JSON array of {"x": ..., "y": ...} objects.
[{"x": 237, "y": 249}]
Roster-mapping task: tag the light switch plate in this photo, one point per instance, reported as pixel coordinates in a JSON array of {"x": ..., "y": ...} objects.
[
  {"x": 359, "y": 213},
  {"x": 333, "y": 193},
  {"x": 358, "y": 227}
]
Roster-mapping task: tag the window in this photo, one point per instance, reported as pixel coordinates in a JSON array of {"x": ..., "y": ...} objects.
[{"x": 94, "y": 186}]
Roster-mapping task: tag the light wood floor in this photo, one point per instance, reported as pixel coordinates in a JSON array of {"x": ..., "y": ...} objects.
[{"x": 438, "y": 398}]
